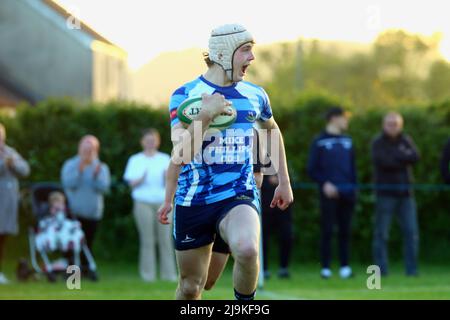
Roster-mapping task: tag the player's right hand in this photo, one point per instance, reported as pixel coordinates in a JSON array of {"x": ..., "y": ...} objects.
[
  {"x": 163, "y": 212},
  {"x": 215, "y": 104}
]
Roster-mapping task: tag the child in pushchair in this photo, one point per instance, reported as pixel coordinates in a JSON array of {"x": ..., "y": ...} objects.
[{"x": 56, "y": 231}]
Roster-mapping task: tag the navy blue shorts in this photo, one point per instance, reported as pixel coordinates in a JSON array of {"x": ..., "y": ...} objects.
[
  {"x": 220, "y": 246},
  {"x": 197, "y": 226}
]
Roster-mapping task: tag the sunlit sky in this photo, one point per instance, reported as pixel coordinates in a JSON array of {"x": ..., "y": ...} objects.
[{"x": 146, "y": 28}]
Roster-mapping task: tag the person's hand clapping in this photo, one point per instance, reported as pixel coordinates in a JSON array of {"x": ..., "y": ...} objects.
[
  {"x": 9, "y": 161},
  {"x": 97, "y": 169}
]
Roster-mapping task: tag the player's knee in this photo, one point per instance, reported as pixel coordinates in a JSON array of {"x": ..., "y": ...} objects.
[
  {"x": 190, "y": 288},
  {"x": 246, "y": 252}
]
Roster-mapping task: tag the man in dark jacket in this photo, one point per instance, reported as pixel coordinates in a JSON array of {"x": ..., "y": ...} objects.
[
  {"x": 393, "y": 154},
  {"x": 332, "y": 166},
  {"x": 445, "y": 163}
]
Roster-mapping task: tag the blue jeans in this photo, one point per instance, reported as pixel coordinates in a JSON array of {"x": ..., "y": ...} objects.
[{"x": 405, "y": 209}]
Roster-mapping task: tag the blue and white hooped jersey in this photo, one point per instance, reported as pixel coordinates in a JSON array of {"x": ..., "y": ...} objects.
[{"x": 224, "y": 166}]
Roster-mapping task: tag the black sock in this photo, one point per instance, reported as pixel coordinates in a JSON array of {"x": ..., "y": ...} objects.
[{"x": 240, "y": 296}]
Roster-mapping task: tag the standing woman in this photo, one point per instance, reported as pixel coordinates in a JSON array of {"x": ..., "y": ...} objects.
[
  {"x": 12, "y": 166},
  {"x": 145, "y": 173}
]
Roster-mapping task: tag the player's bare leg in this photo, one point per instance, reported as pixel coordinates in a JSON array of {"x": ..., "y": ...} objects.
[
  {"x": 216, "y": 266},
  {"x": 193, "y": 268},
  {"x": 241, "y": 230}
]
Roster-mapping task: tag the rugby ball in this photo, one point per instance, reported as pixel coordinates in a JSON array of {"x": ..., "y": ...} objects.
[{"x": 190, "y": 108}]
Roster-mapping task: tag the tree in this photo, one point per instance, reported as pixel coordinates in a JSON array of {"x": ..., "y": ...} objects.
[{"x": 437, "y": 85}]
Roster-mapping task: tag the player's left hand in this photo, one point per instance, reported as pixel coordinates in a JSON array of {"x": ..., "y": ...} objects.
[
  {"x": 282, "y": 196},
  {"x": 163, "y": 212}
]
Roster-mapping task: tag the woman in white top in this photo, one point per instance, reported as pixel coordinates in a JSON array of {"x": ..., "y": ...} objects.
[{"x": 145, "y": 173}]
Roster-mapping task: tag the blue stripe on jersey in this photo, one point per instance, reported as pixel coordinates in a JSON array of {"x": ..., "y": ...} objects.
[
  {"x": 232, "y": 94},
  {"x": 254, "y": 92},
  {"x": 180, "y": 91},
  {"x": 226, "y": 168},
  {"x": 257, "y": 200}
]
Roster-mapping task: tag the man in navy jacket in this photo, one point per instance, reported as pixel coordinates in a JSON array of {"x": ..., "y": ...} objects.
[{"x": 332, "y": 166}]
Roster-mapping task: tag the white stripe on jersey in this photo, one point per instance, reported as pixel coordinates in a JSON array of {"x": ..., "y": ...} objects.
[
  {"x": 250, "y": 93},
  {"x": 248, "y": 182},
  {"x": 199, "y": 89},
  {"x": 257, "y": 200},
  {"x": 193, "y": 187}
]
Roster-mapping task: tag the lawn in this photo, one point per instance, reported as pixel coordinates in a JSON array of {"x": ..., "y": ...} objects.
[{"x": 122, "y": 282}]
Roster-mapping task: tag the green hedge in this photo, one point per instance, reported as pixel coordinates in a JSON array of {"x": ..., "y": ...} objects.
[{"x": 48, "y": 134}]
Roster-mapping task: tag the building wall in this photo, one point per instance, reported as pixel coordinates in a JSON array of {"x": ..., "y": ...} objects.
[
  {"x": 41, "y": 54},
  {"x": 110, "y": 73}
]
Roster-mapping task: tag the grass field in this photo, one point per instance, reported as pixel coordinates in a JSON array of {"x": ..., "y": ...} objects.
[{"x": 122, "y": 282}]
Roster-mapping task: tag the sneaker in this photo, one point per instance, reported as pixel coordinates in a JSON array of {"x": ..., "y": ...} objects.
[
  {"x": 326, "y": 273},
  {"x": 3, "y": 279},
  {"x": 283, "y": 273},
  {"x": 346, "y": 272}
]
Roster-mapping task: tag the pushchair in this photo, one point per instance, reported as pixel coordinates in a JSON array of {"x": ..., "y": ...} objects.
[{"x": 71, "y": 250}]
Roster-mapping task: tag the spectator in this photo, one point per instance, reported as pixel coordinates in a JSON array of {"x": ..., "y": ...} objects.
[
  {"x": 85, "y": 180},
  {"x": 12, "y": 166},
  {"x": 332, "y": 166},
  {"x": 145, "y": 173},
  {"x": 445, "y": 163},
  {"x": 274, "y": 219},
  {"x": 393, "y": 154}
]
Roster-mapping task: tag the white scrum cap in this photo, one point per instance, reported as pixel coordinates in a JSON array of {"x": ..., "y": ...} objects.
[{"x": 223, "y": 43}]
